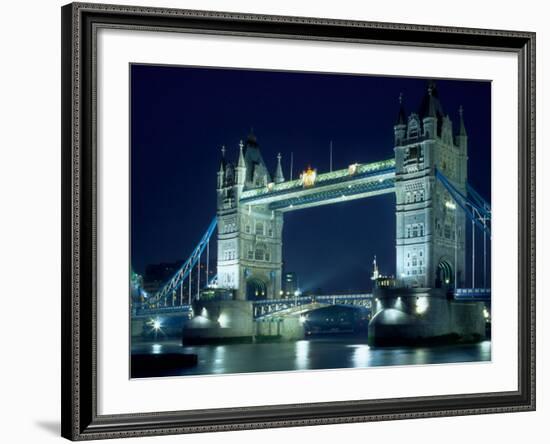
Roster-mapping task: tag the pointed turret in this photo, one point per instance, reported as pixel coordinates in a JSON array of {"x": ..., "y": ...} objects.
[
  {"x": 241, "y": 163},
  {"x": 279, "y": 171},
  {"x": 462, "y": 136},
  {"x": 223, "y": 162},
  {"x": 431, "y": 111},
  {"x": 221, "y": 170},
  {"x": 400, "y": 127},
  {"x": 461, "y": 128},
  {"x": 240, "y": 170},
  {"x": 431, "y": 106},
  {"x": 256, "y": 172}
]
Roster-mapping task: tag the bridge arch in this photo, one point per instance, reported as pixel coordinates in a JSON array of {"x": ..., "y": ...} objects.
[
  {"x": 256, "y": 289},
  {"x": 444, "y": 274}
]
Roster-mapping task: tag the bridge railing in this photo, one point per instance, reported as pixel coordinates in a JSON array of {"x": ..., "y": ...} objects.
[
  {"x": 161, "y": 310},
  {"x": 472, "y": 294},
  {"x": 269, "y": 307}
]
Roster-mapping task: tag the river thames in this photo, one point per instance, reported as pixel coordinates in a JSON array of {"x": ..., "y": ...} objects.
[{"x": 327, "y": 352}]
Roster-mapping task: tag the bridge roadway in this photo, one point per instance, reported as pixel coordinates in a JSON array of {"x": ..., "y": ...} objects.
[
  {"x": 302, "y": 304},
  {"x": 355, "y": 182}
]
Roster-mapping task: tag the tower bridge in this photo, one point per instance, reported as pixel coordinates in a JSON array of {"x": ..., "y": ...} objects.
[{"x": 427, "y": 176}]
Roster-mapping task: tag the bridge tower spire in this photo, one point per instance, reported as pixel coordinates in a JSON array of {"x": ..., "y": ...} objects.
[
  {"x": 430, "y": 231},
  {"x": 400, "y": 127},
  {"x": 221, "y": 170},
  {"x": 462, "y": 136},
  {"x": 279, "y": 171},
  {"x": 240, "y": 170}
]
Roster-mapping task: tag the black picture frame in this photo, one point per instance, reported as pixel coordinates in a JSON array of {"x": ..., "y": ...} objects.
[{"x": 79, "y": 211}]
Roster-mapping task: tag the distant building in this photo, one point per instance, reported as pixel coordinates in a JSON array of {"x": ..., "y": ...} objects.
[
  {"x": 379, "y": 280},
  {"x": 290, "y": 284}
]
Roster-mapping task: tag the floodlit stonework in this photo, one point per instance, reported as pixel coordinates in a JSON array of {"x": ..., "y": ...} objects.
[
  {"x": 430, "y": 228},
  {"x": 249, "y": 236}
]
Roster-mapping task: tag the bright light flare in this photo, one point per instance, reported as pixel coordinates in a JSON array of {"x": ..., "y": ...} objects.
[
  {"x": 223, "y": 320},
  {"x": 156, "y": 324},
  {"x": 450, "y": 205},
  {"x": 422, "y": 304}
]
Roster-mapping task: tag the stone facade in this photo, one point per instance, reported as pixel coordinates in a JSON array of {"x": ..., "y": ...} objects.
[
  {"x": 249, "y": 237},
  {"x": 430, "y": 228}
]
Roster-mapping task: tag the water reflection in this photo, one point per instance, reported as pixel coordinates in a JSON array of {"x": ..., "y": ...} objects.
[
  {"x": 421, "y": 356},
  {"x": 218, "y": 358},
  {"x": 360, "y": 357},
  {"x": 315, "y": 353},
  {"x": 302, "y": 355}
]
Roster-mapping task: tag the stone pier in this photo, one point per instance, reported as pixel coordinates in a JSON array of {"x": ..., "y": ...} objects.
[{"x": 417, "y": 316}]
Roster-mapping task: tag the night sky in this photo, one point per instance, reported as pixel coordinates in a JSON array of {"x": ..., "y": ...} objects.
[{"x": 181, "y": 116}]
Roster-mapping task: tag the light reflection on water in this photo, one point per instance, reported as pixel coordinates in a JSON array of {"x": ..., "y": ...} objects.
[
  {"x": 316, "y": 353},
  {"x": 302, "y": 355},
  {"x": 156, "y": 349},
  {"x": 219, "y": 359},
  {"x": 360, "y": 357}
]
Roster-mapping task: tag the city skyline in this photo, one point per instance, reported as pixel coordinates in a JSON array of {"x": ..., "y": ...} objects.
[{"x": 182, "y": 116}]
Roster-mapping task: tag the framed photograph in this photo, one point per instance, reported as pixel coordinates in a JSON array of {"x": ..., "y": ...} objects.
[{"x": 278, "y": 221}]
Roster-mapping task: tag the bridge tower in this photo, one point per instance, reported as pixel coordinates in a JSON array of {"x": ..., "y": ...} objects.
[
  {"x": 249, "y": 237},
  {"x": 430, "y": 228}
]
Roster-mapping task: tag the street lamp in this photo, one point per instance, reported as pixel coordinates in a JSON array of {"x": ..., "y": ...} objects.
[{"x": 296, "y": 294}]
